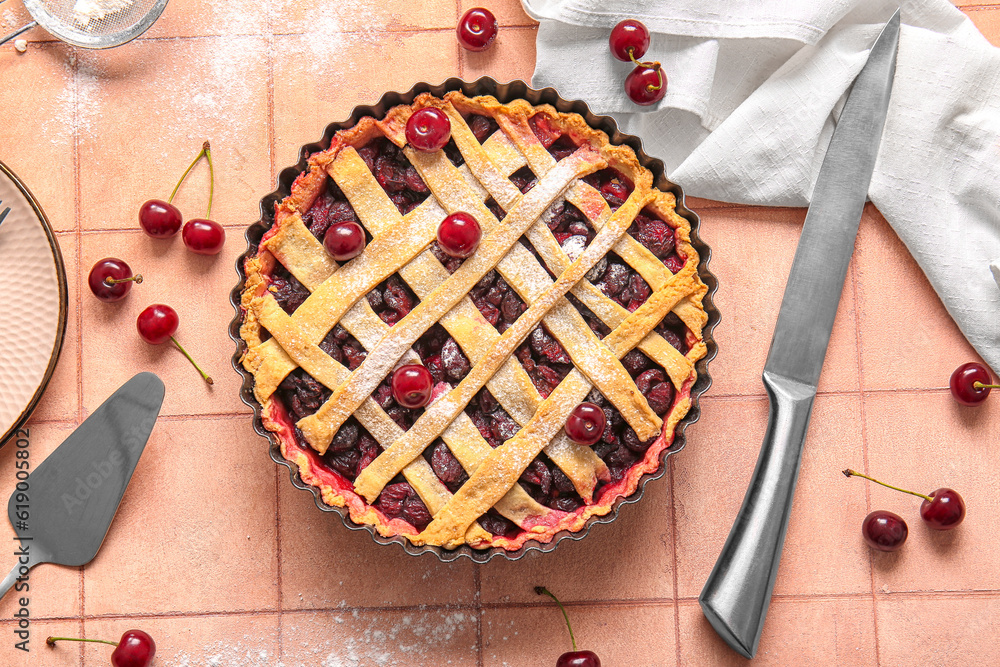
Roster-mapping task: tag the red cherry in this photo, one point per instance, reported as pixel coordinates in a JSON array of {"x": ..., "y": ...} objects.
[
  {"x": 585, "y": 424},
  {"x": 428, "y": 130},
  {"x": 646, "y": 84},
  {"x": 159, "y": 219},
  {"x": 205, "y": 237},
  {"x": 157, "y": 323},
  {"x": 964, "y": 383},
  {"x": 629, "y": 40},
  {"x": 135, "y": 649},
  {"x": 412, "y": 385},
  {"x": 884, "y": 530},
  {"x": 944, "y": 510},
  {"x": 459, "y": 234},
  {"x": 477, "y": 29},
  {"x": 111, "y": 279},
  {"x": 344, "y": 240},
  {"x": 578, "y": 659}
]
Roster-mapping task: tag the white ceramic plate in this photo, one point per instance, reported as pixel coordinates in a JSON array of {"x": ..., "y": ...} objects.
[{"x": 33, "y": 320}]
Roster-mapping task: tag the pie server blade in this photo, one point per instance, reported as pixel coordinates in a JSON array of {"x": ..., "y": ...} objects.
[
  {"x": 63, "y": 510},
  {"x": 736, "y": 596}
]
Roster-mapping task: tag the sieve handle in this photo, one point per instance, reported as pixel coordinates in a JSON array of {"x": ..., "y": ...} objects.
[{"x": 18, "y": 32}]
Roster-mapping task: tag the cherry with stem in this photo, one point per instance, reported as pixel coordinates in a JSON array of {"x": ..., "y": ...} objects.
[
  {"x": 157, "y": 324},
  {"x": 205, "y": 236},
  {"x": 942, "y": 509},
  {"x": 971, "y": 383},
  {"x": 646, "y": 84},
  {"x": 136, "y": 648},
  {"x": 161, "y": 219},
  {"x": 572, "y": 658},
  {"x": 111, "y": 279}
]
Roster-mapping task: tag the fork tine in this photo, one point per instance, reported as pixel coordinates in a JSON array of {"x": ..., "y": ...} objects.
[{"x": 3, "y": 214}]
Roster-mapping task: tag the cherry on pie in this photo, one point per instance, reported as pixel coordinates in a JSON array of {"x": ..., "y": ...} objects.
[{"x": 584, "y": 288}]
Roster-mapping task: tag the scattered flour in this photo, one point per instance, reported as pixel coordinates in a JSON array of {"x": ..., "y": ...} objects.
[
  {"x": 389, "y": 640},
  {"x": 85, "y": 11}
]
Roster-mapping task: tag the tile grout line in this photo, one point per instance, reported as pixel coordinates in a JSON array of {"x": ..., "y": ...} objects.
[
  {"x": 277, "y": 469},
  {"x": 673, "y": 550},
  {"x": 78, "y": 311},
  {"x": 864, "y": 445}
]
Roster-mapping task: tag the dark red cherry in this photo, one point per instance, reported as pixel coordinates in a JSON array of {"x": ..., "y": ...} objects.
[
  {"x": 412, "y": 385},
  {"x": 205, "y": 237},
  {"x": 578, "y": 659},
  {"x": 135, "y": 649},
  {"x": 428, "y": 130},
  {"x": 944, "y": 510},
  {"x": 159, "y": 219},
  {"x": 157, "y": 323},
  {"x": 477, "y": 29},
  {"x": 585, "y": 424},
  {"x": 884, "y": 530},
  {"x": 629, "y": 40},
  {"x": 344, "y": 240},
  {"x": 111, "y": 279},
  {"x": 963, "y": 383},
  {"x": 459, "y": 234},
  {"x": 646, "y": 84}
]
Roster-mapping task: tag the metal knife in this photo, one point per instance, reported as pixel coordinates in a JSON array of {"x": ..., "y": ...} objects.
[
  {"x": 62, "y": 511},
  {"x": 736, "y": 596}
]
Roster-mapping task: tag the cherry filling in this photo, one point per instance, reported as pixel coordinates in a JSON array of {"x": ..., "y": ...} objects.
[{"x": 541, "y": 355}]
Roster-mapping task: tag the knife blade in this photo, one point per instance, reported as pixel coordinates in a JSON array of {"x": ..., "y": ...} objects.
[
  {"x": 737, "y": 593},
  {"x": 62, "y": 511}
]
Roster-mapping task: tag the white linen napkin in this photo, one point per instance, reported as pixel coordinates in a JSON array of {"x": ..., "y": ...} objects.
[{"x": 753, "y": 92}]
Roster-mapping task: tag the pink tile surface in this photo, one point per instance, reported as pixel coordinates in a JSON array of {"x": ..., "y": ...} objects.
[{"x": 216, "y": 554}]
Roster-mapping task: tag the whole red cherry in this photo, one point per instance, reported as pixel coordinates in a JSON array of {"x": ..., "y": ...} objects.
[
  {"x": 111, "y": 278},
  {"x": 629, "y": 40},
  {"x": 205, "y": 237},
  {"x": 578, "y": 659},
  {"x": 971, "y": 383},
  {"x": 412, "y": 385},
  {"x": 344, "y": 240},
  {"x": 477, "y": 29},
  {"x": 159, "y": 219},
  {"x": 135, "y": 649},
  {"x": 585, "y": 425},
  {"x": 428, "y": 130},
  {"x": 884, "y": 530},
  {"x": 944, "y": 510},
  {"x": 458, "y": 235},
  {"x": 646, "y": 84}
]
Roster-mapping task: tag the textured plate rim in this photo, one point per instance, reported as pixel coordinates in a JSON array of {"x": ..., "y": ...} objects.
[
  {"x": 7, "y": 172},
  {"x": 504, "y": 92}
]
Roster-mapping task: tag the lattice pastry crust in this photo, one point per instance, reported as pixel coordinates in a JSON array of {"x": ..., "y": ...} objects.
[{"x": 400, "y": 244}]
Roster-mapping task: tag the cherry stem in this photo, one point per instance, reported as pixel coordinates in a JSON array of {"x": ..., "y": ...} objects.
[
  {"x": 193, "y": 363},
  {"x": 541, "y": 590},
  {"x": 109, "y": 281},
  {"x": 979, "y": 385},
  {"x": 202, "y": 153},
  {"x": 655, "y": 65},
  {"x": 854, "y": 473},
  {"x": 211, "y": 179},
  {"x": 51, "y": 641}
]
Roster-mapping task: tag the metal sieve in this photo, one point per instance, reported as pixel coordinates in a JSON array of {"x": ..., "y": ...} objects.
[{"x": 92, "y": 24}]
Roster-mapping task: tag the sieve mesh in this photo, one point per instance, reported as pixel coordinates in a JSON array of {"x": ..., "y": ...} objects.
[{"x": 95, "y": 23}]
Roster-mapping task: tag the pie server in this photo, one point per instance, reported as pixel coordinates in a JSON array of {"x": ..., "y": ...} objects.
[
  {"x": 737, "y": 593},
  {"x": 63, "y": 510}
]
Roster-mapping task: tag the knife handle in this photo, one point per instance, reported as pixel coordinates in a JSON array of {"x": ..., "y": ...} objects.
[{"x": 737, "y": 593}]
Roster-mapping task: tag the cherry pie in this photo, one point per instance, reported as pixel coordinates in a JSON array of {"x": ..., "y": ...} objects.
[{"x": 584, "y": 287}]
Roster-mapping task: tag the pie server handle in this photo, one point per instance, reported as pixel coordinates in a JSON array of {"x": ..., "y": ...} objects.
[{"x": 736, "y": 596}]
